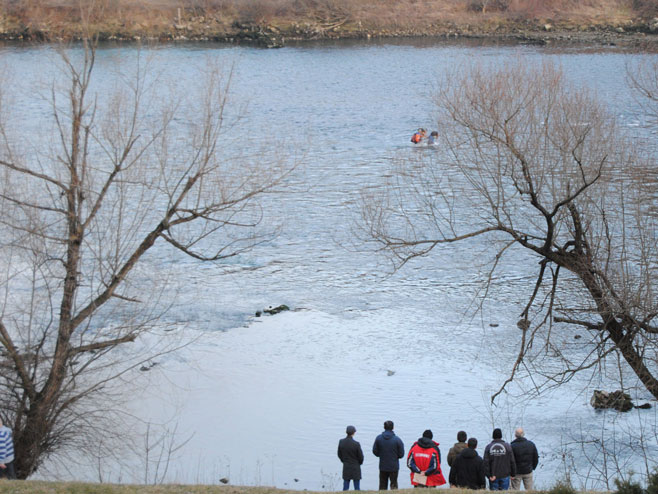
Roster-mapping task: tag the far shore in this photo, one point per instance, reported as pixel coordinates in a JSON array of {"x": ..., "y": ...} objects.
[
  {"x": 275, "y": 23},
  {"x": 271, "y": 36}
]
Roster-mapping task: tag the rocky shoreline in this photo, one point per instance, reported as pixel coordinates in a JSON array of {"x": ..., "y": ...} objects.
[{"x": 640, "y": 34}]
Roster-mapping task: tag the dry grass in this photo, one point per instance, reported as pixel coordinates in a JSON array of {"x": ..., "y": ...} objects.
[{"x": 33, "y": 487}]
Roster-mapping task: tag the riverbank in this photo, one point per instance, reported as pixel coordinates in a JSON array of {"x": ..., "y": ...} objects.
[
  {"x": 37, "y": 487},
  {"x": 277, "y": 22}
]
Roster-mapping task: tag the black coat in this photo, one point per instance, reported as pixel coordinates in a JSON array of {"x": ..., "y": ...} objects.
[
  {"x": 350, "y": 453},
  {"x": 525, "y": 454},
  {"x": 499, "y": 460},
  {"x": 389, "y": 449},
  {"x": 467, "y": 470}
]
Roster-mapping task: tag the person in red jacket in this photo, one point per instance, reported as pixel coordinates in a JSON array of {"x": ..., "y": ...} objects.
[
  {"x": 418, "y": 136},
  {"x": 424, "y": 461}
]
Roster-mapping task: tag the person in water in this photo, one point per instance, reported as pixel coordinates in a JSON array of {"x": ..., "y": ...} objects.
[
  {"x": 433, "y": 138},
  {"x": 419, "y": 136}
]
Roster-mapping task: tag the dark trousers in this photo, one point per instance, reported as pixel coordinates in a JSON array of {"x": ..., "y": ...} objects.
[
  {"x": 8, "y": 472},
  {"x": 357, "y": 485},
  {"x": 383, "y": 480}
]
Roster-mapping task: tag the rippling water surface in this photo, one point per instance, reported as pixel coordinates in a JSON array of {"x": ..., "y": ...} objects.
[{"x": 267, "y": 399}]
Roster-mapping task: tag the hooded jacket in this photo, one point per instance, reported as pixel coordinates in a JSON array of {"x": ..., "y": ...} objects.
[
  {"x": 468, "y": 470},
  {"x": 389, "y": 449},
  {"x": 499, "y": 460},
  {"x": 525, "y": 455},
  {"x": 425, "y": 457}
]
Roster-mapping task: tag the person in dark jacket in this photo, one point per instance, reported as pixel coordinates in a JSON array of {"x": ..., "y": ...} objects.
[
  {"x": 389, "y": 449},
  {"x": 499, "y": 463},
  {"x": 467, "y": 469},
  {"x": 526, "y": 457},
  {"x": 351, "y": 455},
  {"x": 459, "y": 446}
]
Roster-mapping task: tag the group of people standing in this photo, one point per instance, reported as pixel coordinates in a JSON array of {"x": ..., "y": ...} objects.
[{"x": 505, "y": 465}]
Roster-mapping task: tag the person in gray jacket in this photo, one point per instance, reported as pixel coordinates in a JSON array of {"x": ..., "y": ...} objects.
[
  {"x": 527, "y": 459},
  {"x": 351, "y": 455},
  {"x": 389, "y": 449}
]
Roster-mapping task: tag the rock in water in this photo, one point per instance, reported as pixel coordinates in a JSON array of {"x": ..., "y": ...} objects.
[
  {"x": 275, "y": 310},
  {"x": 615, "y": 399}
]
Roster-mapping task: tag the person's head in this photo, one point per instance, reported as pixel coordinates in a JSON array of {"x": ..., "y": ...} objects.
[
  {"x": 434, "y": 133},
  {"x": 461, "y": 436},
  {"x": 388, "y": 425},
  {"x": 519, "y": 432},
  {"x": 350, "y": 430},
  {"x": 428, "y": 434},
  {"x": 497, "y": 433},
  {"x": 422, "y": 131},
  {"x": 472, "y": 443}
]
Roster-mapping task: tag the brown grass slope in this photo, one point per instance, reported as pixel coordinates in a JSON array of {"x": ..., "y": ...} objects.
[{"x": 304, "y": 19}]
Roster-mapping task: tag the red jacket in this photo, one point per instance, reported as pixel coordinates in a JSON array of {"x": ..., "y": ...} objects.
[{"x": 424, "y": 457}]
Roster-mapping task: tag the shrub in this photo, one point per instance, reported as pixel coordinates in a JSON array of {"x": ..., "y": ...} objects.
[
  {"x": 562, "y": 487},
  {"x": 652, "y": 483},
  {"x": 628, "y": 486},
  {"x": 646, "y": 7},
  {"x": 485, "y": 6}
]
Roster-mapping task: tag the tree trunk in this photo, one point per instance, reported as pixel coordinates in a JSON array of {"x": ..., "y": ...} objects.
[
  {"x": 31, "y": 441},
  {"x": 621, "y": 335}
]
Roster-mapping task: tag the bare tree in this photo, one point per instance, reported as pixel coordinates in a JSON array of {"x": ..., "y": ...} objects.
[
  {"x": 540, "y": 170},
  {"x": 643, "y": 78},
  {"x": 86, "y": 213}
]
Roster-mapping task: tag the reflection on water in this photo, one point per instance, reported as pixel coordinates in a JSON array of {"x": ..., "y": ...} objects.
[{"x": 271, "y": 399}]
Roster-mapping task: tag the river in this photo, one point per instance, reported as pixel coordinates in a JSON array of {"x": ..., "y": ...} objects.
[{"x": 263, "y": 401}]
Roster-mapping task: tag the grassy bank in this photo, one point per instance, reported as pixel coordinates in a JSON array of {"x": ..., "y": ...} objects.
[
  {"x": 32, "y": 487},
  {"x": 279, "y": 20}
]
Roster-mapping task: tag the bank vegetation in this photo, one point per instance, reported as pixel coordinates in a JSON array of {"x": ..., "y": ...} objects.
[{"x": 276, "y": 21}]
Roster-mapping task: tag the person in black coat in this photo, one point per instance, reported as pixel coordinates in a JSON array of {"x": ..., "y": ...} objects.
[
  {"x": 527, "y": 459},
  {"x": 467, "y": 469},
  {"x": 351, "y": 455}
]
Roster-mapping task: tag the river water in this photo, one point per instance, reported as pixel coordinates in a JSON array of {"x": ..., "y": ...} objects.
[{"x": 263, "y": 401}]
